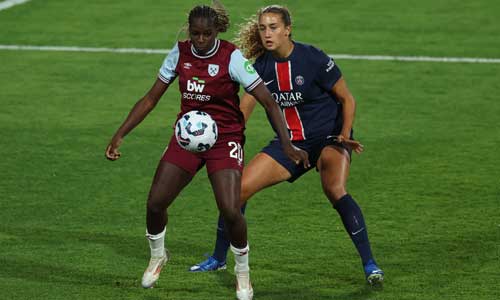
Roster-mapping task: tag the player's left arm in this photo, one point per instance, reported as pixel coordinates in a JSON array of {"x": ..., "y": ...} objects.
[
  {"x": 344, "y": 95},
  {"x": 264, "y": 97},
  {"x": 247, "y": 105}
]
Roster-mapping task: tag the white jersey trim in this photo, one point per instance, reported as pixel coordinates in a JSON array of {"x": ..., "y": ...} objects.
[
  {"x": 167, "y": 70},
  {"x": 210, "y": 53},
  {"x": 253, "y": 85}
]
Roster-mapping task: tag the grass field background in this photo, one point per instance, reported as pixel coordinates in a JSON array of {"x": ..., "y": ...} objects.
[{"x": 72, "y": 224}]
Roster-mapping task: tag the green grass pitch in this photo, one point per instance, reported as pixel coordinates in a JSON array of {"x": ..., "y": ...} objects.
[{"x": 72, "y": 223}]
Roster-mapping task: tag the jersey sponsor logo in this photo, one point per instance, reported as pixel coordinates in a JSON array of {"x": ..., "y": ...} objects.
[
  {"x": 299, "y": 80},
  {"x": 330, "y": 65},
  {"x": 288, "y": 99},
  {"x": 249, "y": 68},
  {"x": 213, "y": 70},
  {"x": 197, "y": 97},
  {"x": 268, "y": 82},
  {"x": 196, "y": 85}
]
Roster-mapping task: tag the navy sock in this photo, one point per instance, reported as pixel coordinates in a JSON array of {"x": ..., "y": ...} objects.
[
  {"x": 354, "y": 224},
  {"x": 222, "y": 242}
]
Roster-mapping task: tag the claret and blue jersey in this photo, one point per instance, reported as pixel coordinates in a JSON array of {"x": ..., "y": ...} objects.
[
  {"x": 301, "y": 84},
  {"x": 211, "y": 82}
]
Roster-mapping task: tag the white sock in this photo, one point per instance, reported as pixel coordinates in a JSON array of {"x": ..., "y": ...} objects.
[
  {"x": 241, "y": 259},
  {"x": 157, "y": 243}
]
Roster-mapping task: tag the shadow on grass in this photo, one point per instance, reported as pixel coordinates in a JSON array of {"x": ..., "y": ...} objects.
[
  {"x": 359, "y": 290},
  {"x": 48, "y": 272},
  {"x": 35, "y": 264},
  {"x": 37, "y": 251},
  {"x": 362, "y": 293}
]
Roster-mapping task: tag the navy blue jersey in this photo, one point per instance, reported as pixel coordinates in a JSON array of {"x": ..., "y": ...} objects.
[{"x": 301, "y": 85}]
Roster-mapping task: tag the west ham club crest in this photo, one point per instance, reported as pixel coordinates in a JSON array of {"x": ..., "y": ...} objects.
[{"x": 213, "y": 70}]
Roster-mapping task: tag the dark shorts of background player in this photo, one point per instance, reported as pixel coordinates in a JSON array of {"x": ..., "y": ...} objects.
[
  {"x": 225, "y": 154},
  {"x": 313, "y": 149}
]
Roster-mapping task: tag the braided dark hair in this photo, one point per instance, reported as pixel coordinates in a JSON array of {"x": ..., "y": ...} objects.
[{"x": 216, "y": 14}]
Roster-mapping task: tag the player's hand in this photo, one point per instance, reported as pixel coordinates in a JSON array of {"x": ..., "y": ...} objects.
[
  {"x": 112, "y": 152},
  {"x": 297, "y": 155},
  {"x": 355, "y": 146}
]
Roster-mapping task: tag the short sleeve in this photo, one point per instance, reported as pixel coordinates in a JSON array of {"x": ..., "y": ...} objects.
[
  {"x": 242, "y": 71},
  {"x": 328, "y": 71},
  {"x": 167, "y": 70}
]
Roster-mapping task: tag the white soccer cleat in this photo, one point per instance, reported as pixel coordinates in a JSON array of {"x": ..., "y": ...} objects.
[
  {"x": 153, "y": 270},
  {"x": 244, "y": 290}
]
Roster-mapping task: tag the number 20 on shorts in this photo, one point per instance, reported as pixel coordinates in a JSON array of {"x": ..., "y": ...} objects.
[{"x": 236, "y": 151}]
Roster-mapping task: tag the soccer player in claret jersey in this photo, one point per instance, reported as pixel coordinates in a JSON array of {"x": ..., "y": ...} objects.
[
  {"x": 210, "y": 72},
  {"x": 319, "y": 112}
]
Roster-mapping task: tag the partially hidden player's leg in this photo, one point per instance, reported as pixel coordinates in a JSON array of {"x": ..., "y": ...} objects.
[
  {"x": 168, "y": 182},
  {"x": 261, "y": 172},
  {"x": 333, "y": 166},
  {"x": 226, "y": 184}
]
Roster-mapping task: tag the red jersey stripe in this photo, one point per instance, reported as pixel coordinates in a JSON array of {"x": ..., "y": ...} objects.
[
  {"x": 284, "y": 75},
  {"x": 294, "y": 124}
]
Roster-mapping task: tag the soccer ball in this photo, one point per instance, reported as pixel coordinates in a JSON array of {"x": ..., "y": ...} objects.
[{"x": 196, "y": 131}]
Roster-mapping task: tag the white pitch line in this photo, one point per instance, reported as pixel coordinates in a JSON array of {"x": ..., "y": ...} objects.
[
  {"x": 9, "y": 3},
  {"x": 84, "y": 49},
  {"x": 336, "y": 56},
  {"x": 420, "y": 58}
]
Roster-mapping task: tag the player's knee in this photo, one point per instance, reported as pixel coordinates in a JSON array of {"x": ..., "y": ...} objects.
[
  {"x": 248, "y": 189},
  {"x": 155, "y": 205},
  {"x": 230, "y": 215},
  {"x": 334, "y": 192}
]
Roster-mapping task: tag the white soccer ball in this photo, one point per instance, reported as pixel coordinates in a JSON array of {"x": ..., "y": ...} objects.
[{"x": 196, "y": 131}]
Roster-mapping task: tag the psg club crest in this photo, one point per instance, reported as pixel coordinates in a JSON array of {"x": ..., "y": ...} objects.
[
  {"x": 299, "y": 80},
  {"x": 213, "y": 70}
]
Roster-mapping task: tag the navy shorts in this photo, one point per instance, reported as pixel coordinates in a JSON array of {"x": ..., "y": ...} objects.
[{"x": 312, "y": 147}]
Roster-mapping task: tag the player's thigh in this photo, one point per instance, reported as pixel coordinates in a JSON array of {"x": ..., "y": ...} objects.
[
  {"x": 333, "y": 166},
  {"x": 226, "y": 184},
  {"x": 262, "y": 171},
  {"x": 168, "y": 182}
]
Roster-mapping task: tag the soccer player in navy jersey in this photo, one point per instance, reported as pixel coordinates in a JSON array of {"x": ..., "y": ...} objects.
[
  {"x": 210, "y": 72},
  {"x": 319, "y": 112}
]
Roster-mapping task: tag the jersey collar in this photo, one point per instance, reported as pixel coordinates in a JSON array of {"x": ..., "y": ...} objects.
[{"x": 209, "y": 53}]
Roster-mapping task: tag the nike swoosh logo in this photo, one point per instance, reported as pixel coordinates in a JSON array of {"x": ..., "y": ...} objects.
[
  {"x": 356, "y": 232},
  {"x": 334, "y": 137},
  {"x": 269, "y": 82}
]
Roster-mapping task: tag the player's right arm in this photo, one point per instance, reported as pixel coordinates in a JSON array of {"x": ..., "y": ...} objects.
[
  {"x": 140, "y": 110},
  {"x": 146, "y": 104}
]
